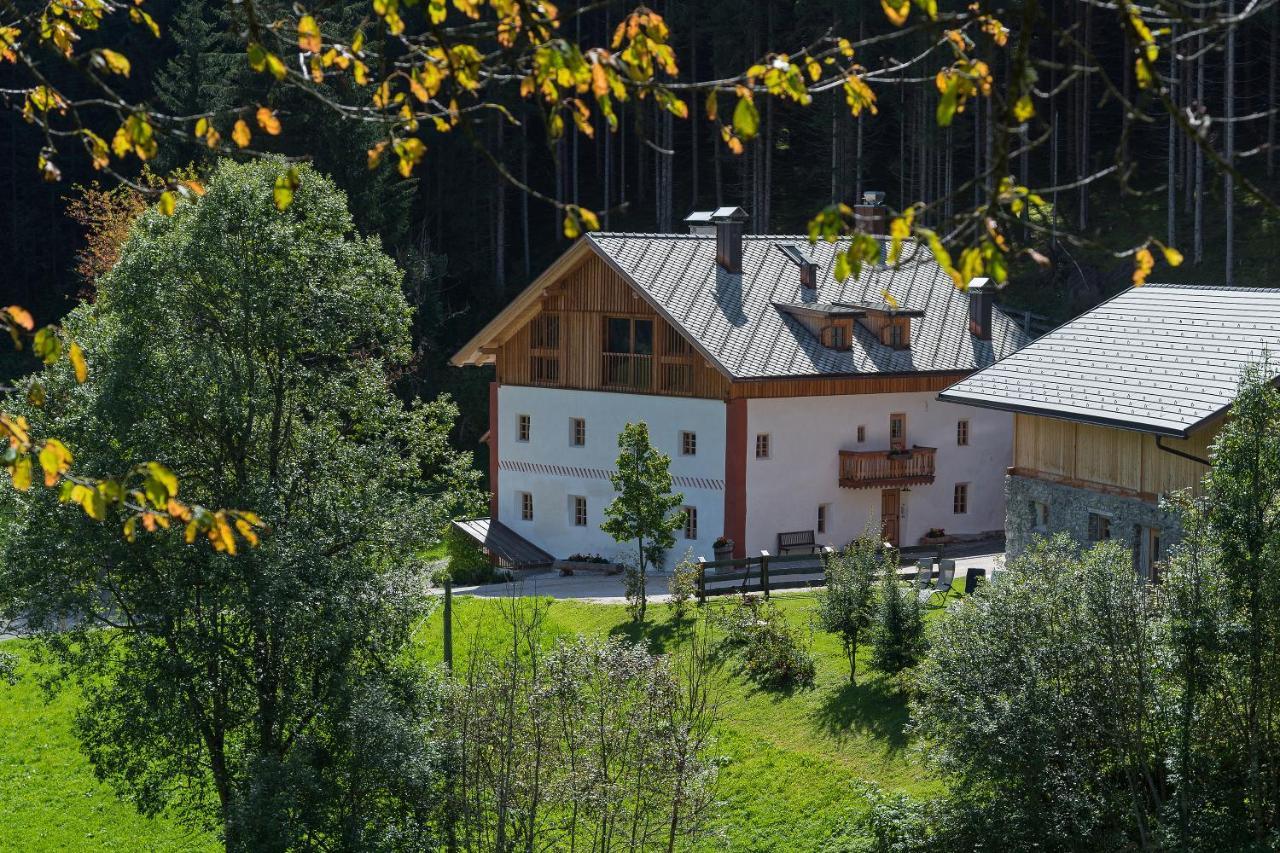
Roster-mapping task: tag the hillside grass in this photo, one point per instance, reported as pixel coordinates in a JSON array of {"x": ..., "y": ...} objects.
[{"x": 790, "y": 759}]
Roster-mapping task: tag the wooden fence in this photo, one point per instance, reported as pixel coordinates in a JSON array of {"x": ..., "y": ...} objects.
[{"x": 761, "y": 574}]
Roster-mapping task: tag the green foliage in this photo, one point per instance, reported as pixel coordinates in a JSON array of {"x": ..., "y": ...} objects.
[
  {"x": 683, "y": 585},
  {"x": 468, "y": 563},
  {"x": 248, "y": 350},
  {"x": 768, "y": 646},
  {"x": 645, "y": 508},
  {"x": 898, "y": 641},
  {"x": 845, "y": 603}
]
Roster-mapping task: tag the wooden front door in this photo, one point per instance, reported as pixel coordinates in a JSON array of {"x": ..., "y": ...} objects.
[{"x": 890, "y": 510}]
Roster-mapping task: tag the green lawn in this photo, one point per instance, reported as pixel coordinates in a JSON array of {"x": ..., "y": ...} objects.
[
  {"x": 789, "y": 758},
  {"x": 49, "y": 798}
]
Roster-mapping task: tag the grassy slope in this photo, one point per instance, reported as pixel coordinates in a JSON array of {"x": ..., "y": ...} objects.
[
  {"x": 50, "y": 798},
  {"x": 790, "y": 757}
]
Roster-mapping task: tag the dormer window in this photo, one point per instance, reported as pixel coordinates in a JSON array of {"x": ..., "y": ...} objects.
[
  {"x": 835, "y": 336},
  {"x": 898, "y": 333}
]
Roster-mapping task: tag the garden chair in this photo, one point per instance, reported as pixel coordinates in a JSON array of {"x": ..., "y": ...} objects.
[
  {"x": 946, "y": 577},
  {"x": 924, "y": 579}
]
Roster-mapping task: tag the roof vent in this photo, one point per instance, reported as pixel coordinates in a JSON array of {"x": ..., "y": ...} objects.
[
  {"x": 981, "y": 296},
  {"x": 808, "y": 269},
  {"x": 700, "y": 223},
  {"x": 729, "y": 222},
  {"x": 871, "y": 216}
]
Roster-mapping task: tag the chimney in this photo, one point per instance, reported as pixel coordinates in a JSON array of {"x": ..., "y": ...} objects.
[
  {"x": 871, "y": 216},
  {"x": 808, "y": 275},
  {"x": 700, "y": 223},
  {"x": 729, "y": 222},
  {"x": 981, "y": 296}
]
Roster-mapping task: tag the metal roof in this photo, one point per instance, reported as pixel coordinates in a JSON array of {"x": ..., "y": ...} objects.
[
  {"x": 500, "y": 541},
  {"x": 1161, "y": 358},
  {"x": 731, "y": 317}
]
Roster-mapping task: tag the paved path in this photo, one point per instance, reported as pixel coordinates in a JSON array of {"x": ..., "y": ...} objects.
[{"x": 607, "y": 589}]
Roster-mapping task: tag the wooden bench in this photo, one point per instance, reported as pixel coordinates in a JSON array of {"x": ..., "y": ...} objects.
[{"x": 797, "y": 542}]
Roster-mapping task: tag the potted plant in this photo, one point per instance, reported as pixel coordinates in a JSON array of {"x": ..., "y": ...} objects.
[{"x": 723, "y": 548}]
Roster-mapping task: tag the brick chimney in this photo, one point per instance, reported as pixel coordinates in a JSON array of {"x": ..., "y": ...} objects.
[
  {"x": 981, "y": 296},
  {"x": 729, "y": 222},
  {"x": 871, "y": 216}
]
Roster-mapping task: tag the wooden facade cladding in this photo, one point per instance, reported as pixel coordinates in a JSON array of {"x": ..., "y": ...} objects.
[
  {"x": 824, "y": 386},
  {"x": 563, "y": 344},
  {"x": 1108, "y": 459}
]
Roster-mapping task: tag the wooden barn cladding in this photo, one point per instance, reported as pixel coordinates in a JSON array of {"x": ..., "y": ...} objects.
[
  {"x": 1117, "y": 461},
  {"x": 568, "y": 342}
]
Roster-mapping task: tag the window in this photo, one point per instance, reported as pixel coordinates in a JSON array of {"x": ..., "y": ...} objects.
[
  {"x": 522, "y": 427},
  {"x": 822, "y": 518},
  {"x": 962, "y": 433},
  {"x": 628, "y": 347},
  {"x": 895, "y": 335},
  {"x": 960, "y": 499},
  {"x": 897, "y": 432},
  {"x": 578, "y": 432},
  {"x": 544, "y": 332},
  {"x": 1039, "y": 515},
  {"x": 862, "y": 433},
  {"x": 833, "y": 337},
  {"x": 762, "y": 445},
  {"x": 629, "y": 336},
  {"x": 691, "y": 522},
  {"x": 688, "y": 443},
  {"x": 1099, "y": 527},
  {"x": 526, "y": 506},
  {"x": 579, "y": 511}
]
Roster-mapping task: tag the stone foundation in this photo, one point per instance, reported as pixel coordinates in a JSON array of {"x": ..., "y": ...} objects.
[{"x": 1069, "y": 509}]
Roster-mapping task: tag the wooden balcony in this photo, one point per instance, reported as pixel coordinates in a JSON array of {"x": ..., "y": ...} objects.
[
  {"x": 630, "y": 372},
  {"x": 875, "y": 469}
]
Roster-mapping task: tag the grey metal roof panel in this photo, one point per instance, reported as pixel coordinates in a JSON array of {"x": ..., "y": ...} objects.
[
  {"x": 733, "y": 318},
  {"x": 1159, "y": 358}
]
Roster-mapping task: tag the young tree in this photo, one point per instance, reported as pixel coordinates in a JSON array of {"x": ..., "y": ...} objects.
[
  {"x": 844, "y": 605},
  {"x": 645, "y": 508},
  {"x": 897, "y": 638},
  {"x": 249, "y": 349}
]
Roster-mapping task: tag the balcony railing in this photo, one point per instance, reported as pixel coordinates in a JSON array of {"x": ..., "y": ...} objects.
[
  {"x": 634, "y": 372},
  {"x": 871, "y": 469}
]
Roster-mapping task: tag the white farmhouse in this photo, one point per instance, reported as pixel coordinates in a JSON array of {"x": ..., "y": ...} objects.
[{"x": 788, "y": 402}]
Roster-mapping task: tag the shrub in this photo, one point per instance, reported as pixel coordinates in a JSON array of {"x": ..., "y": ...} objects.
[
  {"x": 683, "y": 585},
  {"x": 770, "y": 649},
  {"x": 468, "y": 564},
  {"x": 587, "y": 558},
  {"x": 845, "y": 604},
  {"x": 897, "y": 637}
]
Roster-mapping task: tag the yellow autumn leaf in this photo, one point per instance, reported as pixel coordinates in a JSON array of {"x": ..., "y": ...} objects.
[
  {"x": 21, "y": 317},
  {"x": 116, "y": 63},
  {"x": 1172, "y": 256},
  {"x": 286, "y": 185},
  {"x": 1143, "y": 263},
  {"x": 55, "y": 459},
  {"x": 309, "y": 34},
  {"x": 267, "y": 121},
  {"x": 21, "y": 472},
  {"x": 240, "y": 133},
  {"x": 168, "y": 202},
  {"x": 76, "y": 355}
]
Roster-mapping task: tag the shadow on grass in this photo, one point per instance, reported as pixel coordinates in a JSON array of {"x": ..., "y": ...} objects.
[
  {"x": 659, "y": 630},
  {"x": 874, "y": 706}
]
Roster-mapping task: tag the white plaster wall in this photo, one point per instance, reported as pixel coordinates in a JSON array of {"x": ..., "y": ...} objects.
[
  {"x": 582, "y": 471},
  {"x": 807, "y": 433}
]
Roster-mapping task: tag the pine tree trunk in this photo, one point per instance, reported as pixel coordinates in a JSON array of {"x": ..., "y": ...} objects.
[
  {"x": 1198, "y": 239},
  {"x": 500, "y": 218},
  {"x": 1228, "y": 181}
]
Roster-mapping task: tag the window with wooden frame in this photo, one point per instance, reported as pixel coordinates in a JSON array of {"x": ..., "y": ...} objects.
[
  {"x": 897, "y": 333},
  {"x": 1099, "y": 529},
  {"x": 544, "y": 349},
  {"x": 691, "y": 522},
  {"x": 578, "y": 432},
  {"x": 544, "y": 332},
  {"x": 834, "y": 336},
  {"x": 962, "y": 433},
  {"x": 688, "y": 443},
  {"x": 1039, "y": 515},
  {"x": 862, "y": 433},
  {"x": 579, "y": 511},
  {"x": 526, "y": 506},
  {"x": 628, "y": 352},
  {"x": 897, "y": 431},
  {"x": 822, "y": 518},
  {"x": 524, "y": 426},
  {"x": 960, "y": 499},
  {"x": 762, "y": 445}
]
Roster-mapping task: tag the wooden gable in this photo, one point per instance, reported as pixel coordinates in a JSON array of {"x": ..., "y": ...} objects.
[{"x": 562, "y": 342}]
